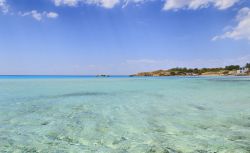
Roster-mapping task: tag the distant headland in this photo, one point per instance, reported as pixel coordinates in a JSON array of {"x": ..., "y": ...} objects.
[{"x": 231, "y": 70}]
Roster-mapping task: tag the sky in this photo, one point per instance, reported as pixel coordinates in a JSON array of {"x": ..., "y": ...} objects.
[{"x": 88, "y": 37}]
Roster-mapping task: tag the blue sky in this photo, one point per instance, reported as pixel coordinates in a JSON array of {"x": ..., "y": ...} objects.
[{"x": 121, "y": 36}]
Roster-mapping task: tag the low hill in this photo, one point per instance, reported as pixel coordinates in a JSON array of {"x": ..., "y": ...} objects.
[{"x": 228, "y": 70}]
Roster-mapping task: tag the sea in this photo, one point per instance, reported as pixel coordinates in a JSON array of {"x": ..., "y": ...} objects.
[{"x": 121, "y": 114}]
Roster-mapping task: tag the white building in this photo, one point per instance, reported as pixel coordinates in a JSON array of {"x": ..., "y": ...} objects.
[{"x": 242, "y": 70}]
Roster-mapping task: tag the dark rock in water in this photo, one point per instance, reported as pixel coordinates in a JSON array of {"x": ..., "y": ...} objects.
[
  {"x": 202, "y": 126},
  {"x": 247, "y": 149},
  {"x": 246, "y": 124},
  {"x": 77, "y": 94},
  {"x": 152, "y": 149},
  {"x": 165, "y": 151},
  {"x": 171, "y": 150},
  {"x": 122, "y": 151},
  {"x": 155, "y": 149},
  {"x": 199, "y": 107},
  {"x": 68, "y": 139},
  {"x": 202, "y": 151},
  {"x": 30, "y": 150},
  {"x": 45, "y": 123},
  {"x": 237, "y": 137},
  {"x": 115, "y": 142}
]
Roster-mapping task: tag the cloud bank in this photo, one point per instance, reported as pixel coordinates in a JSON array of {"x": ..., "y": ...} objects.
[
  {"x": 168, "y": 4},
  {"x": 242, "y": 28},
  {"x": 198, "y": 4},
  {"x": 102, "y": 3}
]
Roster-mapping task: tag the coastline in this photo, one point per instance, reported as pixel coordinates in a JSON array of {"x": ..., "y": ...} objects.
[{"x": 192, "y": 72}]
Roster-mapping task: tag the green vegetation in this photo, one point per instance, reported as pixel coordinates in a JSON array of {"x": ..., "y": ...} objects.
[
  {"x": 184, "y": 71},
  {"x": 227, "y": 70},
  {"x": 248, "y": 65},
  {"x": 232, "y": 67}
]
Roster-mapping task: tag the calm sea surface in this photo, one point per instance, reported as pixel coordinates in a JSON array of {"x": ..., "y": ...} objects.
[{"x": 61, "y": 114}]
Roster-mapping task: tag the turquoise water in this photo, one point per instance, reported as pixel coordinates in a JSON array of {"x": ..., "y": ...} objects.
[{"x": 124, "y": 115}]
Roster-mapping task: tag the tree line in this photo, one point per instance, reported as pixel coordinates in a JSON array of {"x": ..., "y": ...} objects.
[{"x": 184, "y": 70}]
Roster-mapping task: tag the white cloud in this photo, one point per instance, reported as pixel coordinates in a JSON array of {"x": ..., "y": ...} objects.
[
  {"x": 36, "y": 15},
  {"x": 39, "y": 15},
  {"x": 224, "y": 4},
  {"x": 108, "y": 3},
  {"x": 52, "y": 15},
  {"x": 241, "y": 30},
  {"x": 137, "y": 2},
  {"x": 3, "y": 6},
  {"x": 66, "y": 2},
  {"x": 169, "y": 4},
  {"x": 197, "y": 4},
  {"x": 102, "y": 3}
]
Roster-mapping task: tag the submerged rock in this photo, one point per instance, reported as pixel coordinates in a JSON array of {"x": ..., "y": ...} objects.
[
  {"x": 237, "y": 137},
  {"x": 202, "y": 151},
  {"x": 45, "y": 123},
  {"x": 160, "y": 149},
  {"x": 115, "y": 142},
  {"x": 198, "y": 107}
]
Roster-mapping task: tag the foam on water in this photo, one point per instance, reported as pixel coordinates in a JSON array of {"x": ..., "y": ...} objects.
[{"x": 125, "y": 115}]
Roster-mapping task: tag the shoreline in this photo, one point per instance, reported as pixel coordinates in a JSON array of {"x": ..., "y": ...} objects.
[
  {"x": 194, "y": 76},
  {"x": 111, "y": 76},
  {"x": 227, "y": 71}
]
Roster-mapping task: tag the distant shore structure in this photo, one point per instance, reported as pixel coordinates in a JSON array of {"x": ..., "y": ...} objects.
[
  {"x": 243, "y": 70},
  {"x": 102, "y": 75}
]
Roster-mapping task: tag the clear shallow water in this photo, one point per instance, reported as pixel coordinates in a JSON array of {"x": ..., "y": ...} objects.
[{"x": 125, "y": 115}]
